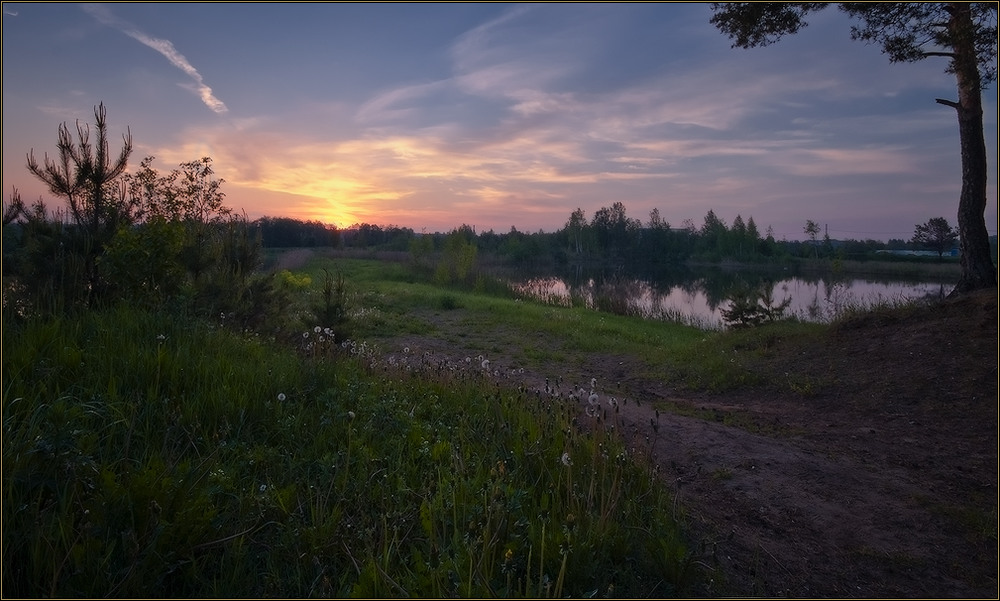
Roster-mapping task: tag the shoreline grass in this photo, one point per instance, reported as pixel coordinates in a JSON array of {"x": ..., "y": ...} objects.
[{"x": 389, "y": 301}]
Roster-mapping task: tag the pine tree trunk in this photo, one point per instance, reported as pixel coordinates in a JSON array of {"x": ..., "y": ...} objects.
[{"x": 978, "y": 271}]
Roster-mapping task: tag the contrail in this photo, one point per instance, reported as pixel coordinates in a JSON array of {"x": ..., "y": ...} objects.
[{"x": 164, "y": 47}]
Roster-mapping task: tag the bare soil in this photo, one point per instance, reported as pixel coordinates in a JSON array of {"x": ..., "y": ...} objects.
[{"x": 878, "y": 478}]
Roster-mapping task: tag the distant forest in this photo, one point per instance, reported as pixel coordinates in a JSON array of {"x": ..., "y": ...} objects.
[{"x": 609, "y": 235}]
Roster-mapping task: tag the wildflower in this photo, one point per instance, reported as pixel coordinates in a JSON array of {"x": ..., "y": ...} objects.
[
  {"x": 281, "y": 396},
  {"x": 508, "y": 555},
  {"x": 566, "y": 459},
  {"x": 317, "y": 329}
]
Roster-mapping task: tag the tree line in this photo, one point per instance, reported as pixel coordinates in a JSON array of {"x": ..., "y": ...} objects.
[
  {"x": 168, "y": 239},
  {"x": 611, "y": 235}
]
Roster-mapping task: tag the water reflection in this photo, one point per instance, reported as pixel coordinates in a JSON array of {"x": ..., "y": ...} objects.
[{"x": 699, "y": 298}]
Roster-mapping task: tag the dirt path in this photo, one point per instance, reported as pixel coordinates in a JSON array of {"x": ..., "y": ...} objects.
[{"x": 882, "y": 486}]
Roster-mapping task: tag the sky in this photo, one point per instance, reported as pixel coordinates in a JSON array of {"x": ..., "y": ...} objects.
[{"x": 433, "y": 116}]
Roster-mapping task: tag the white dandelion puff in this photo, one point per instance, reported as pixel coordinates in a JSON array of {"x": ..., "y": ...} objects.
[
  {"x": 567, "y": 460},
  {"x": 281, "y": 396}
]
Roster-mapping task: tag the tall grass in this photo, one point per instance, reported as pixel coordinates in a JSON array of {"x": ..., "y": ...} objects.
[{"x": 146, "y": 455}]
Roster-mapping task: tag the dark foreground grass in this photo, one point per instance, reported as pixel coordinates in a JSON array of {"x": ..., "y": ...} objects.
[{"x": 148, "y": 456}]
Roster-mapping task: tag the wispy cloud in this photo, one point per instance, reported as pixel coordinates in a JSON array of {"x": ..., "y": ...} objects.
[
  {"x": 396, "y": 103},
  {"x": 164, "y": 47}
]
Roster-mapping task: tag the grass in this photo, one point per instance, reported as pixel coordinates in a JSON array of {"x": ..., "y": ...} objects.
[
  {"x": 150, "y": 456},
  {"x": 147, "y": 455},
  {"x": 391, "y": 300}
]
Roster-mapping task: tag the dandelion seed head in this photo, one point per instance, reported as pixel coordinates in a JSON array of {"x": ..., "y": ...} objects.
[
  {"x": 281, "y": 396},
  {"x": 317, "y": 329},
  {"x": 566, "y": 459}
]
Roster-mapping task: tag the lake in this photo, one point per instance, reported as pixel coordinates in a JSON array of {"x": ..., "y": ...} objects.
[{"x": 697, "y": 297}]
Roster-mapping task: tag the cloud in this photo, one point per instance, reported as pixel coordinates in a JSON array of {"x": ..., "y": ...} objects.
[
  {"x": 164, "y": 47},
  {"x": 385, "y": 106},
  {"x": 528, "y": 125}
]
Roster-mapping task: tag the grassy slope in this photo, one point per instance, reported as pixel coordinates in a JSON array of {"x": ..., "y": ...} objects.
[
  {"x": 149, "y": 456},
  {"x": 145, "y": 456}
]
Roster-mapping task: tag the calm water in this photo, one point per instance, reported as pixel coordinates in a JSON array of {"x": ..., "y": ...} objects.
[{"x": 698, "y": 298}]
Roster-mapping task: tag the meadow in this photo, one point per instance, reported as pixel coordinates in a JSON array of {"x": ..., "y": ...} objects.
[{"x": 149, "y": 454}]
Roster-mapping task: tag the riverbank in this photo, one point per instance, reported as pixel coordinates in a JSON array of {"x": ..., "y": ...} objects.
[{"x": 856, "y": 460}]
